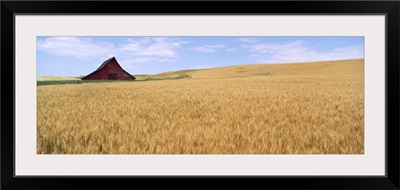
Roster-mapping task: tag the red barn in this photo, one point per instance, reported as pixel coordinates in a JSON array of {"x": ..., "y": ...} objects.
[{"x": 109, "y": 70}]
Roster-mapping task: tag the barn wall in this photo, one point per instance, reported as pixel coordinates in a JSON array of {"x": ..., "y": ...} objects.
[{"x": 112, "y": 68}]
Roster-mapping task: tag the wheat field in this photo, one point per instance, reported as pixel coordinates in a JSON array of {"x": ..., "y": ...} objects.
[{"x": 301, "y": 108}]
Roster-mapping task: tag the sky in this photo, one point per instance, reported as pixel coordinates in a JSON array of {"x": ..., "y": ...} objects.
[{"x": 79, "y": 56}]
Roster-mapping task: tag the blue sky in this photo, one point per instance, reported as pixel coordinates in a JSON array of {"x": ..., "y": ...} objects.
[{"x": 79, "y": 56}]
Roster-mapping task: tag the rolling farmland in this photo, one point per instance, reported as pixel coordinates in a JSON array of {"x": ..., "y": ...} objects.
[{"x": 299, "y": 108}]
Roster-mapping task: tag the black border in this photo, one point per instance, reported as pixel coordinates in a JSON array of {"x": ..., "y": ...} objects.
[{"x": 7, "y": 93}]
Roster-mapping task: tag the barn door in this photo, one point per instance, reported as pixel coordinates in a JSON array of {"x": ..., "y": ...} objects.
[{"x": 113, "y": 76}]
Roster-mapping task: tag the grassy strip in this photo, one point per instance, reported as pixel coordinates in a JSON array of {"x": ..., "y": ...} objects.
[
  {"x": 53, "y": 82},
  {"x": 99, "y": 81},
  {"x": 180, "y": 76},
  {"x": 162, "y": 76},
  {"x": 58, "y": 82}
]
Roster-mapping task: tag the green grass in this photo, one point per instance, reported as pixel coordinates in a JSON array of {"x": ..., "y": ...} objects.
[
  {"x": 53, "y": 82},
  {"x": 56, "y": 80},
  {"x": 170, "y": 75},
  {"x": 141, "y": 77},
  {"x": 98, "y": 81}
]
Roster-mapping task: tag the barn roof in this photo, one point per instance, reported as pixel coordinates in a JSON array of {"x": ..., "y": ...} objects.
[{"x": 105, "y": 63}]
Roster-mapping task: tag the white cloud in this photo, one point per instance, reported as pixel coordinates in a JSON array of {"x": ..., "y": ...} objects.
[
  {"x": 209, "y": 48},
  {"x": 138, "y": 60},
  {"x": 157, "y": 46},
  {"x": 132, "y": 67},
  {"x": 82, "y": 48},
  {"x": 130, "y": 62},
  {"x": 155, "y": 49},
  {"x": 298, "y": 51},
  {"x": 248, "y": 40}
]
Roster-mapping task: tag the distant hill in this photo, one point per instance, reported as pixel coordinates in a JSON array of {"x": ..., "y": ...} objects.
[
  {"x": 53, "y": 78},
  {"x": 322, "y": 68}
]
